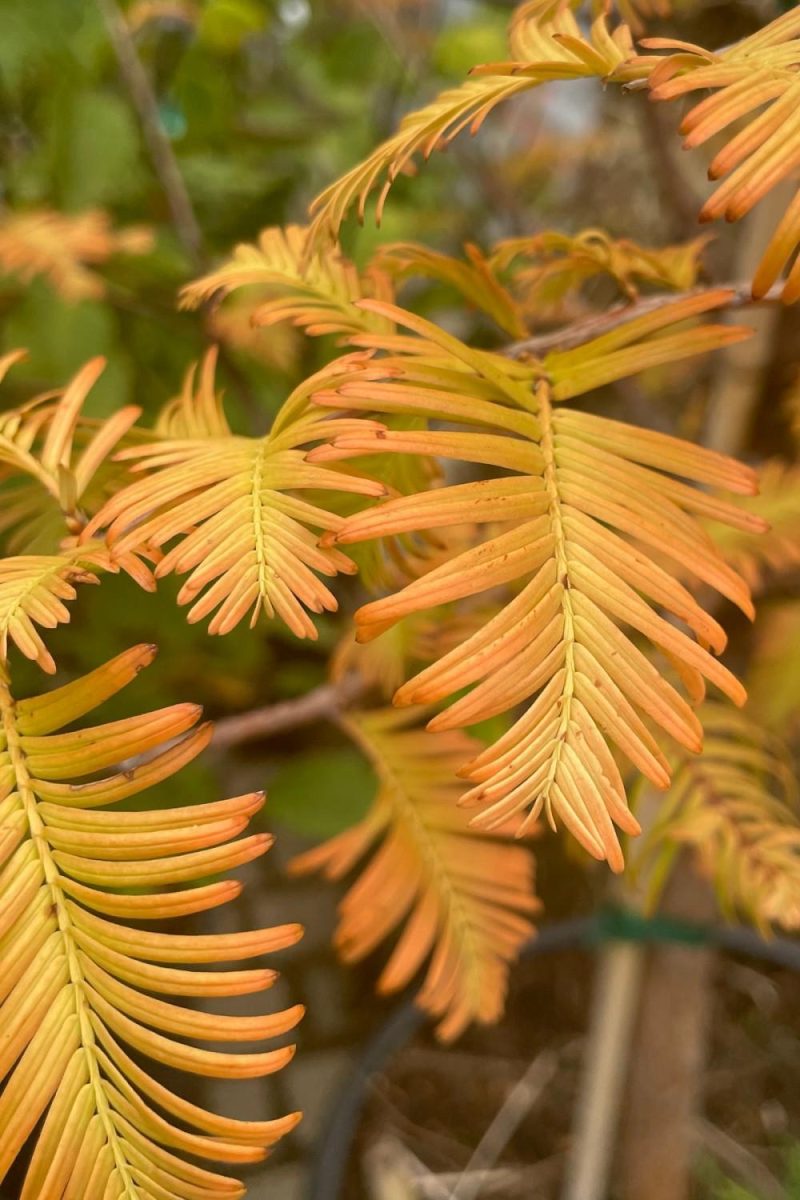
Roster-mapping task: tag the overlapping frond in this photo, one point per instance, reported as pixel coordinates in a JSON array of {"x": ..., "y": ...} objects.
[
  {"x": 473, "y": 277},
  {"x": 34, "y": 590},
  {"x": 64, "y": 247},
  {"x": 463, "y": 900},
  {"x": 563, "y": 262},
  {"x": 77, "y": 978},
  {"x": 229, "y": 507},
  {"x": 759, "y": 557},
  {"x": 314, "y": 291},
  {"x": 585, "y": 504},
  {"x": 56, "y": 465},
  {"x": 754, "y": 90},
  {"x": 737, "y": 806},
  {"x": 546, "y": 42}
]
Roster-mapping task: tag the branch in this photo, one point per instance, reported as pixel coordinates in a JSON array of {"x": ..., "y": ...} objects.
[
  {"x": 159, "y": 147},
  {"x": 583, "y": 331},
  {"x": 323, "y": 703}
]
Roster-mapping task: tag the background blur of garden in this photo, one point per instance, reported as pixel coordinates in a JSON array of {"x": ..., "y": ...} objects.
[{"x": 263, "y": 103}]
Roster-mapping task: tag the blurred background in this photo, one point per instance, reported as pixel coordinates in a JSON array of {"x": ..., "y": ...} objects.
[{"x": 261, "y": 104}]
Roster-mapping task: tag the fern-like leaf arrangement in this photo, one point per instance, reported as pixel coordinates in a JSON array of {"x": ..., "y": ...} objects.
[
  {"x": 736, "y": 806},
  {"x": 78, "y": 973},
  {"x": 460, "y": 901},
  {"x": 232, "y": 509},
  {"x": 585, "y": 506}
]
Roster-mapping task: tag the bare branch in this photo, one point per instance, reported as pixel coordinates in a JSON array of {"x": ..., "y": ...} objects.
[
  {"x": 594, "y": 326},
  {"x": 159, "y": 147},
  {"x": 323, "y": 703}
]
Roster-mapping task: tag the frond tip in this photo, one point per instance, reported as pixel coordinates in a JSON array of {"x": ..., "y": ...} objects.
[
  {"x": 464, "y": 899},
  {"x": 77, "y": 978}
]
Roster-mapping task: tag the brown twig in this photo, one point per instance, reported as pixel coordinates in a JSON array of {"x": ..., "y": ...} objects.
[
  {"x": 582, "y": 331},
  {"x": 162, "y": 157},
  {"x": 323, "y": 703}
]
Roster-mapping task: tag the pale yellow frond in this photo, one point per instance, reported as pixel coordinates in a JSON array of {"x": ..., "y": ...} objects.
[
  {"x": 34, "y": 590},
  {"x": 585, "y": 507},
  {"x": 316, "y": 291},
  {"x": 233, "y": 511},
  {"x": 80, "y": 978},
  {"x": 56, "y": 465},
  {"x": 64, "y": 247},
  {"x": 736, "y": 806},
  {"x": 460, "y": 901}
]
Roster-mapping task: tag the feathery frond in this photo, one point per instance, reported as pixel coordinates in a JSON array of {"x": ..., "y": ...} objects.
[
  {"x": 317, "y": 293},
  {"x": 464, "y": 899},
  {"x": 77, "y": 978},
  {"x": 473, "y": 277},
  {"x": 64, "y": 247},
  {"x": 33, "y": 591},
  {"x": 228, "y": 505},
  {"x": 755, "y": 79},
  {"x": 55, "y": 465},
  {"x": 736, "y": 806},
  {"x": 585, "y": 503},
  {"x": 548, "y": 43}
]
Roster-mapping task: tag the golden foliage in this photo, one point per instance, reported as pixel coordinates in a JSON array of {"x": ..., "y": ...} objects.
[
  {"x": 464, "y": 899},
  {"x": 64, "y": 247},
  {"x": 755, "y": 79},
  {"x": 582, "y": 501},
  {"x": 547, "y": 43},
  {"x": 316, "y": 292},
  {"x": 759, "y": 557},
  {"x": 474, "y": 279},
  {"x": 229, "y": 507},
  {"x": 56, "y": 463},
  {"x": 563, "y": 262},
  {"x": 76, "y": 977},
  {"x": 736, "y": 806}
]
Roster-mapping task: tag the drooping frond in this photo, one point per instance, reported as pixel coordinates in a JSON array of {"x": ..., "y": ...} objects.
[
  {"x": 755, "y": 81},
  {"x": 757, "y": 557},
  {"x": 473, "y": 277},
  {"x": 585, "y": 505},
  {"x": 563, "y": 262},
  {"x": 548, "y": 43},
  {"x": 317, "y": 293},
  {"x": 64, "y": 247},
  {"x": 77, "y": 977},
  {"x": 737, "y": 806},
  {"x": 229, "y": 507},
  {"x": 461, "y": 900}
]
